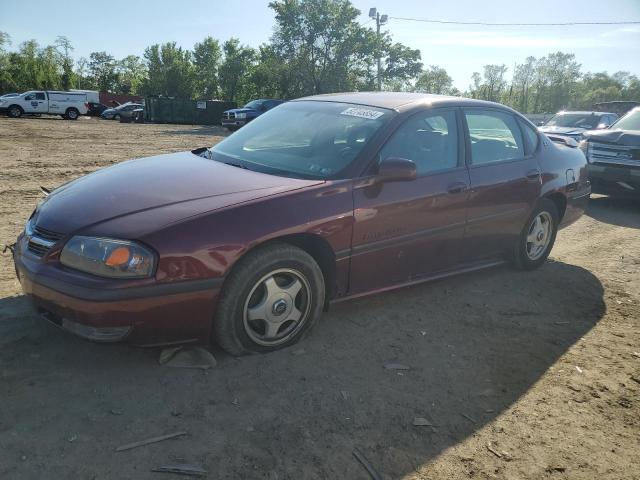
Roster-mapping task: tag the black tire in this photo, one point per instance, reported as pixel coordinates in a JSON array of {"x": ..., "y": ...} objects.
[
  {"x": 14, "y": 111},
  {"x": 522, "y": 257},
  {"x": 116, "y": 117},
  {"x": 71, "y": 114},
  {"x": 230, "y": 328}
]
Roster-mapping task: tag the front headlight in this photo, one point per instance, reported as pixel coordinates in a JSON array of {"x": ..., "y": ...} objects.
[
  {"x": 241, "y": 116},
  {"x": 585, "y": 146},
  {"x": 108, "y": 258}
]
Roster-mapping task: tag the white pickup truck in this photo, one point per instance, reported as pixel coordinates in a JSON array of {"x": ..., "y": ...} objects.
[{"x": 70, "y": 105}]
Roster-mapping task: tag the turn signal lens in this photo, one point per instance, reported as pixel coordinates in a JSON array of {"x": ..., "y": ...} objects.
[{"x": 120, "y": 256}]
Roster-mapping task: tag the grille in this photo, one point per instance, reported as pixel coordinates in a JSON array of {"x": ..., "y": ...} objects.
[
  {"x": 614, "y": 154},
  {"x": 42, "y": 240},
  {"x": 228, "y": 116},
  {"x": 37, "y": 249},
  {"x": 47, "y": 234}
]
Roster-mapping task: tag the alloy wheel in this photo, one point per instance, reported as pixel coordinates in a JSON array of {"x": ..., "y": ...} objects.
[
  {"x": 539, "y": 235},
  {"x": 277, "y": 307}
]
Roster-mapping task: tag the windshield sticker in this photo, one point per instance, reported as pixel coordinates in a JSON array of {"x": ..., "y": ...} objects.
[{"x": 362, "y": 113}]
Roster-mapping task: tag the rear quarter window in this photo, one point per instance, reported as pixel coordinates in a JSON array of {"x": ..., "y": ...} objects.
[{"x": 531, "y": 138}]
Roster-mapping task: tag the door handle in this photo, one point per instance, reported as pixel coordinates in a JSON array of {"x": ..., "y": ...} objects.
[
  {"x": 533, "y": 174},
  {"x": 457, "y": 187}
]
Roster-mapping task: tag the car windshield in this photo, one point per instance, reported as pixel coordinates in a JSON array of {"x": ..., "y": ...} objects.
[
  {"x": 255, "y": 104},
  {"x": 304, "y": 139},
  {"x": 577, "y": 120},
  {"x": 631, "y": 121}
]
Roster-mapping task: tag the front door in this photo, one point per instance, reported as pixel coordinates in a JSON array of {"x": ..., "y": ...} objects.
[
  {"x": 411, "y": 229},
  {"x": 505, "y": 182},
  {"x": 35, "y": 102}
]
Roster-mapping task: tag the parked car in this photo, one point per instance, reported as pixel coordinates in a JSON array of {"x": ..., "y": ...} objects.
[
  {"x": 96, "y": 109},
  {"x": 574, "y": 124},
  {"x": 116, "y": 112},
  {"x": 614, "y": 157},
  {"x": 135, "y": 115},
  {"x": 237, "y": 117},
  {"x": 70, "y": 105},
  {"x": 321, "y": 199}
]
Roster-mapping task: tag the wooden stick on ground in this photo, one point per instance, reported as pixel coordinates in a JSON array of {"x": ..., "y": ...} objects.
[{"x": 141, "y": 443}]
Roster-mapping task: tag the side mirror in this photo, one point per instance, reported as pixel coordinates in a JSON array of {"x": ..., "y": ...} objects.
[
  {"x": 540, "y": 123},
  {"x": 395, "y": 169}
]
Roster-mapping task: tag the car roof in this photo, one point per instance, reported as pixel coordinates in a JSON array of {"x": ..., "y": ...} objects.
[
  {"x": 399, "y": 100},
  {"x": 585, "y": 112}
]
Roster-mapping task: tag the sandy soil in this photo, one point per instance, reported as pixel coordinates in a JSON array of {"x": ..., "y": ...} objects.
[{"x": 521, "y": 375}]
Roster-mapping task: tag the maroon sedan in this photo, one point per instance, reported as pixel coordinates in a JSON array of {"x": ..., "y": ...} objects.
[{"x": 318, "y": 200}]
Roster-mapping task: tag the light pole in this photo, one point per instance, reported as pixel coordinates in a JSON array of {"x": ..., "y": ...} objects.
[{"x": 380, "y": 20}]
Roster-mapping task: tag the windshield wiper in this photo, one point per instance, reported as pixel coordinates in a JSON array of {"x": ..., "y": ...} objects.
[{"x": 236, "y": 165}]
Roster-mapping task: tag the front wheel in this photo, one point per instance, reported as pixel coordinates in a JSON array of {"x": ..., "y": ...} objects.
[
  {"x": 116, "y": 117},
  {"x": 537, "y": 237},
  {"x": 270, "y": 299},
  {"x": 14, "y": 111}
]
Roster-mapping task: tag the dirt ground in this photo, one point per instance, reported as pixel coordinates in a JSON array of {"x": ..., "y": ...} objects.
[{"x": 521, "y": 375}]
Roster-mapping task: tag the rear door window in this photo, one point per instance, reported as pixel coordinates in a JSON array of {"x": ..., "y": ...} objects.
[{"x": 494, "y": 136}]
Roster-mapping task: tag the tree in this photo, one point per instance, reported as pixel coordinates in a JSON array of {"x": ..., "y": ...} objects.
[
  {"x": 206, "y": 61},
  {"x": 6, "y": 81},
  {"x": 324, "y": 48},
  {"x": 65, "y": 48},
  {"x": 522, "y": 82},
  {"x": 131, "y": 72},
  {"x": 102, "y": 70},
  {"x": 170, "y": 71},
  {"x": 81, "y": 73},
  {"x": 401, "y": 63},
  {"x": 237, "y": 64},
  {"x": 434, "y": 80}
]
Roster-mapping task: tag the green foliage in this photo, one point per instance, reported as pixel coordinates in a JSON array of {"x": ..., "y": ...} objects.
[
  {"x": 235, "y": 70},
  {"x": 170, "y": 71},
  {"x": 206, "y": 61},
  {"x": 102, "y": 71},
  {"x": 131, "y": 72},
  {"x": 436, "y": 80}
]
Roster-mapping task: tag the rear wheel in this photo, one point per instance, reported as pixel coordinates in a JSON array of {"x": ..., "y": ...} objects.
[
  {"x": 14, "y": 111},
  {"x": 537, "y": 237},
  {"x": 270, "y": 299},
  {"x": 71, "y": 114}
]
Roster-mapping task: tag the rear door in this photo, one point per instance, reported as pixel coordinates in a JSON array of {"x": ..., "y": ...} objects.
[
  {"x": 35, "y": 102},
  {"x": 505, "y": 182},
  {"x": 411, "y": 229}
]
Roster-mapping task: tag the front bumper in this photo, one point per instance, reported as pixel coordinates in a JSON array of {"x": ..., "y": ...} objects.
[
  {"x": 616, "y": 180},
  {"x": 159, "y": 314},
  {"x": 233, "y": 123}
]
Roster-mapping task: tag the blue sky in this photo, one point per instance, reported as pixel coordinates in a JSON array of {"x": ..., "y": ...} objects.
[{"x": 127, "y": 27}]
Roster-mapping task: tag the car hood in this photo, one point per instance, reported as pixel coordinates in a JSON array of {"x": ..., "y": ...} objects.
[
  {"x": 159, "y": 190},
  {"x": 620, "y": 137},
  {"x": 241, "y": 110},
  {"x": 561, "y": 130}
]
